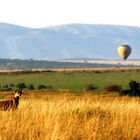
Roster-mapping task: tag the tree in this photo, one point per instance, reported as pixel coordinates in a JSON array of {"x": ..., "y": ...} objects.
[{"x": 134, "y": 88}]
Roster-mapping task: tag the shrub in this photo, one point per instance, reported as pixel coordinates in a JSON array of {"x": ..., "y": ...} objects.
[
  {"x": 90, "y": 87},
  {"x": 5, "y": 88},
  {"x": 125, "y": 92},
  {"x": 113, "y": 88},
  {"x": 31, "y": 87},
  {"x": 97, "y": 71},
  {"x": 42, "y": 87},
  {"x": 11, "y": 85},
  {"x": 134, "y": 89},
  {"x": 21, "y": 85},
  {"x": 133, "y": 85}
]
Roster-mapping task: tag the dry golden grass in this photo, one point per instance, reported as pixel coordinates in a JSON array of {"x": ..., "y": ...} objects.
[
  {"x": 71, "y": 70},
  {"x": 67, "y": 116}
]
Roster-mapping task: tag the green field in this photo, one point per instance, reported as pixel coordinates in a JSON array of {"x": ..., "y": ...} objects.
[{"x": 72, "y": 81}]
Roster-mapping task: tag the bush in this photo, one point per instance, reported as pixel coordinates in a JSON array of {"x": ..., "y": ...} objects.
[
  {"x": 42, "y": 87},
  {"x": 5, "y": 88},
  {"x": 97, "y": 71},
  {"x": 113, "y": 88},
  {"x": 134, "y": 89},
  {"x": 90, "y": 87},
  {"x": 31, "y": 87},
  {"x": 11, "y": 85},
  {"x": 21, "y": 85},
  {"x": 133, "y": 85}
]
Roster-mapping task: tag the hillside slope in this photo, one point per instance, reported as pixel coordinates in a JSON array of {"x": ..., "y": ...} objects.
[{"x": 67, "y": 41}]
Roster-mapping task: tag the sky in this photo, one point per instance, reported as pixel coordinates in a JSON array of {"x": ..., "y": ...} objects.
[{"x": 44, "y": 13}]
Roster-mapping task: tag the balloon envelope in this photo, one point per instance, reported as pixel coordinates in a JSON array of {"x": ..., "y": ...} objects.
[{"x": 124, "y": 51}]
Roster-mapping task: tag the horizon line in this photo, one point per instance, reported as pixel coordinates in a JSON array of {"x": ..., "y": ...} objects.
[{"x": 72, "y": 23}]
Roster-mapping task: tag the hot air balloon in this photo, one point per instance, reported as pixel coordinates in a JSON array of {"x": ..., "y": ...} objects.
[{"x": 124, "y": 51}]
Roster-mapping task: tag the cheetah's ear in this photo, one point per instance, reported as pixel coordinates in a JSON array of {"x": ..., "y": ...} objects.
[
  {"x": 16, "y": 90},
  {"x": 20, "y": 91}
]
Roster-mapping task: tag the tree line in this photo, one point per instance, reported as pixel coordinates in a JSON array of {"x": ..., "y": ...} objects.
[
  {"x": 11, "y": 64},
  {"x": 10, "y": 87},
  {"x": 133, "y": 90}
]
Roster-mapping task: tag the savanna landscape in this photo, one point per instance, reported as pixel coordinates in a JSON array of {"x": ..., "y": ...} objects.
[
  {"x": 69, "y": 70},
  {"x": 68, "y": 110}
]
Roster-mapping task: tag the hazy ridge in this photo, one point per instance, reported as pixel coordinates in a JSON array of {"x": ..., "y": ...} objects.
[{"x": 67, "y": 41}]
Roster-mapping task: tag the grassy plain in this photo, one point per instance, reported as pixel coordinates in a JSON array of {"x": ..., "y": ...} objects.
[
  {"x": 75, "y": 81},
  {"x": 69, "y": 116},
  {"x": 66, "y": 115}
]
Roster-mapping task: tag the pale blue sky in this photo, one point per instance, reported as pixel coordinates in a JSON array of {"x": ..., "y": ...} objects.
[{"x": 41, "y": 13}]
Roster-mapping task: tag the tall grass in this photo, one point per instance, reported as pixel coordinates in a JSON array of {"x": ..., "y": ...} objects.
[{"x": 67, "y": 116}]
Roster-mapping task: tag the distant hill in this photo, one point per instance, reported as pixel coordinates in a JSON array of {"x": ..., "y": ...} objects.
[{"x": 67, "y": 41}]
